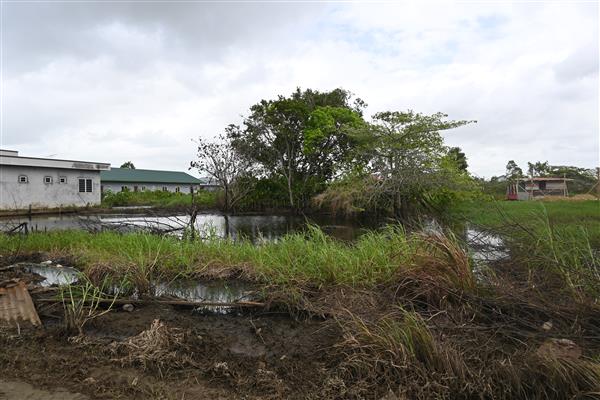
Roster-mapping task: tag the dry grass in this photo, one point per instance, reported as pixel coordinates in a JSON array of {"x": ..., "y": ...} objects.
[{"x": 157, "y": 348}]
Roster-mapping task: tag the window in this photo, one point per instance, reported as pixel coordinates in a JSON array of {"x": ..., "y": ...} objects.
[
  {"x": 23, "y": 179},
  {"x": 177, "y": 189},
  {"x": 124, "y": 189},
  {"x": 143, "y": 188},
  {"x": 135, "y": 188},
  {"x": 85, "y": 185},
  {"x": 164, "y": 189},
  {"x": 62, "y": 179},
  {"x": 47, "y": 179}
]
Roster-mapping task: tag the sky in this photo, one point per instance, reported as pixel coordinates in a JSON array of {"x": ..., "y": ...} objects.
[{"x": 116, "y": 81}]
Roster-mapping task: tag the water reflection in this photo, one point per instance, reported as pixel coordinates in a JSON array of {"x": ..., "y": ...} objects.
[
  {"x": 257, "y": 228},
  {"x": 53, "y": 275}
]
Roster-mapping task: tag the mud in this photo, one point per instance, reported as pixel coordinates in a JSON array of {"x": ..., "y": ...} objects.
[
  {"x": 252, "y": 356},
  {"x": 18, "y": 390},
  {"x": 322, "y": 344}
]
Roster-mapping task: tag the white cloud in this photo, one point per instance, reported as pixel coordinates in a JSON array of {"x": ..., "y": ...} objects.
[{"x": 138, "y": 82}]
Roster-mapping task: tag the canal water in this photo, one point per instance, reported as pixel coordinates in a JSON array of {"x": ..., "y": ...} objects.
[{"x": 252, "y": 227}]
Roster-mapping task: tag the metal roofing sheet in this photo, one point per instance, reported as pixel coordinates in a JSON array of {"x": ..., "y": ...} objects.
[
  {"x": 16, "y": 305},
  {"x": 146, "y": 176}
]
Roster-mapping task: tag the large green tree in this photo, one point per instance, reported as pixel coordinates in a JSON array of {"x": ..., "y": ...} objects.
[
  {"x": 302, "y": 138},
  {"x": 404, "y": 161}
]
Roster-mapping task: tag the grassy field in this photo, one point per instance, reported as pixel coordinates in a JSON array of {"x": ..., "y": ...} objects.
[
  {"x": 203, "y": 199},
  {"x": 569, "y": 217}
]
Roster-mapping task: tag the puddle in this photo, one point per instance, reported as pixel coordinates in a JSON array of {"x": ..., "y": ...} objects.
[
  {"x": 214, "y": 291},
  {"x": 53, "y": 274},
  {"x": 485, "y": 247}
]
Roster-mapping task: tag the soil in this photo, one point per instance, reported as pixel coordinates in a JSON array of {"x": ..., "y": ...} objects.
[
  {"x": 245, "y": 356},
  {"x": 19, "y": 390},
  {"x": 329, "y": 350}
]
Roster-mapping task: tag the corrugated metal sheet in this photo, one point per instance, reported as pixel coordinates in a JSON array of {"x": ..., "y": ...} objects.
[{"x": 16, "y": 305}]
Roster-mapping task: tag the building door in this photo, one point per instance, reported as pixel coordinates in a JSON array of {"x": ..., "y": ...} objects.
[{"x": 542, "y": 185}]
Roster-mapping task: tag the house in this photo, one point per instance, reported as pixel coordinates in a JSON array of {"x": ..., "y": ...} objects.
[
  {"x": 537, "y": 187},
  {"x": 137, "y": 180},
  {"x": 40, "y": 183}
]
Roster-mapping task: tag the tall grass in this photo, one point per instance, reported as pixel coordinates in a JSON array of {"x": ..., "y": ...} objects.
[{"x": 300, "y": 258}]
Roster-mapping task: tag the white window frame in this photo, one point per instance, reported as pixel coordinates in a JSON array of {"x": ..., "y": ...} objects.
[
  {"x": 48, "y": 180},
  {"x": 62, "y": 179},
  {"x": 23, "y": 179},
  {"x": 87, "y": 183}
]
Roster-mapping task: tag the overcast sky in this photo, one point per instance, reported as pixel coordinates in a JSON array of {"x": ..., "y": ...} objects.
[{"x": 118, "y": 81}]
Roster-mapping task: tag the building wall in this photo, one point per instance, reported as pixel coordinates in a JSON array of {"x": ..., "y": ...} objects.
[
  {"x": 171, "y": 187},
  {"x": 37, "y": 194}
]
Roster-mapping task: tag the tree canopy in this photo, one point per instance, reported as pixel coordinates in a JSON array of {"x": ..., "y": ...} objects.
[
  {"x": 128, "y": 164},
  {"x": 302, "y": 137}
]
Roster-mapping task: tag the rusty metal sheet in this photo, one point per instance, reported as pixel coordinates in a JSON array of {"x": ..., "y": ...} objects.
[{"x": 16, "y": 305}]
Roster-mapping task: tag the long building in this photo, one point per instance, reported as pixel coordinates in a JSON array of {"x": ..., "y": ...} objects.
[
  {"x": 40, "y": 183},
  {"x": 137, "y": 180}
]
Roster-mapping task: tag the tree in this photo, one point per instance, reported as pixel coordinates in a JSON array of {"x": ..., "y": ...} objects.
[
  {"x": 406, "y": 158},
  {"x": 302, "y": 138},
  {"x": 459, "y": 158},
  {"x": 128, "y": 164},
  {"x": 513, "y": 171},
  {"x": 538, "y": 168},
  {"x": 227, "y": 166}
]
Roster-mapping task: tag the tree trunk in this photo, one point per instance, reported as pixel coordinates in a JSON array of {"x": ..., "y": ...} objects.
[
  {"x": 226, "y": 205},
  {"x": 290, "y": 192}
]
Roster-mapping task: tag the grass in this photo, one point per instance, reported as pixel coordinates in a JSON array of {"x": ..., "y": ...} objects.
[
  {"x": 301, "y": 258},
  {"x": 567, "y": 214},
  {"x": 203, "y": 199},
  {"x": 560, "y": 239}
]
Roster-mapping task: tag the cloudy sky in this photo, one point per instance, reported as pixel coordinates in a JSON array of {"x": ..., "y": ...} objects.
[{"x": 116, "y": 81}]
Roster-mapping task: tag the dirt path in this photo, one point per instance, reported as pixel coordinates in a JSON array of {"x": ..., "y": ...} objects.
[{"x": 18, "y": 390}]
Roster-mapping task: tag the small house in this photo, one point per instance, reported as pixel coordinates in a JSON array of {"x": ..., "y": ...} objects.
[
  {"x": 537, "y": 187},
  {"x": 137, "y": 180},
  {"x": 44, "y": 183}
]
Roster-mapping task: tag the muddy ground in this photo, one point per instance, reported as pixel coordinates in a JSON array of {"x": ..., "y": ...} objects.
[
  {"x": 250, "y": 355},
  {"x": 338, "y": 343}
]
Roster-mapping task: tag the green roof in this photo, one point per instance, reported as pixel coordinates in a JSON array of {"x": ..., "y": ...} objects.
[{"x": 146, "y": 176}]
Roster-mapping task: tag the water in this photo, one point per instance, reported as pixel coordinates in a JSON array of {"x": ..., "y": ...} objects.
[
  {"x": 53, "y": 274},
  {"x": 256, "y": 228}
]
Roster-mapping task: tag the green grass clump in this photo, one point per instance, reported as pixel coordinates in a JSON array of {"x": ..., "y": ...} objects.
[
  {"x": 300, "y": 258},
  {"x": 203, "y": 199}
]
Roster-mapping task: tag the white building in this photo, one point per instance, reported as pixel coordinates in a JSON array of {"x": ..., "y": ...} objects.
[{"x": 40, "y": 183}]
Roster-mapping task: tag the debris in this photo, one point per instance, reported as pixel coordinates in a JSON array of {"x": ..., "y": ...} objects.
[
  {"x": 560, "y": 349},
  {"x": 16, "y": 305},
  {"x": 47, "y": 262},
  {"x": 547, "y": 325},
  {"x": 128, "y": 307}
]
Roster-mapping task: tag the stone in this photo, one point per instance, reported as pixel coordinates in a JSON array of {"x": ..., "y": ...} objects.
[
  {"x": 547, "y": 325},
  {"x": 559, "y": 349},
  {"x": 128, "y": 307},
  {"x": 47, "y": 262}
]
